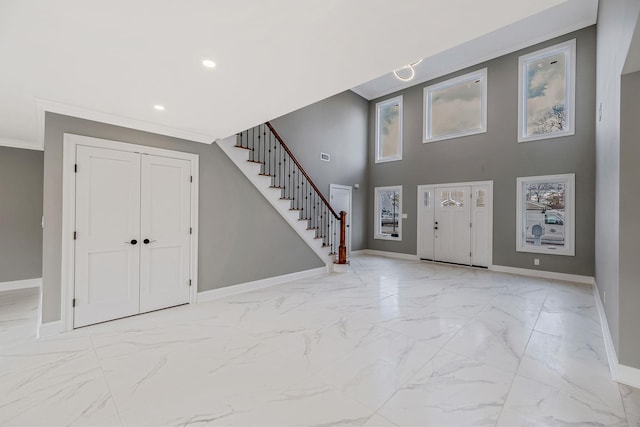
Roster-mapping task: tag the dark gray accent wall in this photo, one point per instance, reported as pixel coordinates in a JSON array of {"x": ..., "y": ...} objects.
[
  {"x": 617, "y": 20},
  {"x": 20, "y": 214},
  {"x": 629, "y": 350},
  {"x": 241, "y": 237},
  {"x": 337, "y": 126},
  {"x": 496, "y": 155}
]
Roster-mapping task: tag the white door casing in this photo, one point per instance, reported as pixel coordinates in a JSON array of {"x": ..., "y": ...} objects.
[
  {"x": 107, "y": 247},
  {"x": 165, "y": 225},
  {"x": 481, "y": 220},
  {"x": 68, "y": 271},
  {"x": 478, "y": 231},
  {"x": 340, "y": 197},
  {"x": 426, "y": 220},
  {"x": 452, "y": 224}
]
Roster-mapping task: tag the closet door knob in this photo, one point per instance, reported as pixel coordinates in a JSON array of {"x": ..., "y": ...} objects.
[
  {"x": 133, "y": 242},
  {"x": 147, "y": 241}
]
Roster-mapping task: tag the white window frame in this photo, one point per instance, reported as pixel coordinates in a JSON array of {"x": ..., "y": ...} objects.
[
  {"x": 427, "y": 100},
  {"x": 377, "y": 225},
  {"x": 567, "y": 48},
  {"x": 569, "y": 216},
  {"x": 379, "y": 105}
]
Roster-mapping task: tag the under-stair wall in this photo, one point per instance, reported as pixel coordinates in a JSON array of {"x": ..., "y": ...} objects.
[{"x": 267, "y": 162}]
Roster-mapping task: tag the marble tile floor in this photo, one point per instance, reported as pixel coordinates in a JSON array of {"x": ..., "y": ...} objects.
[{"x": 390, "y": 343}]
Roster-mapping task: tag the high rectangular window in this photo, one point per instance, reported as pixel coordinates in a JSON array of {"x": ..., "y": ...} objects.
[
  {"x": 456, "y": 107},
  {"x": 546, "y": 214},
  {"x": 389, "y": 130},
  {"x": 546, "y": 105},
  {"x": 388, "y": 213}
]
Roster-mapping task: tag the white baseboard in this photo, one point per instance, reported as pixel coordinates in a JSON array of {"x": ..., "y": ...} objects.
[
  {"x": 341, "y": 268},
  {"x": 258, "y": 284},
  {"x": 628, "y": 375},
  {"x": 50, "y": 328},
  {"x": 606, "y": 333},
  {"x": 588, "y": 280},
  {"x": 619, "y": 373},
  {"x": 388, "y": 254},
  {"x": 20, "y": 284},
  {"x": 357, "y": 253}
]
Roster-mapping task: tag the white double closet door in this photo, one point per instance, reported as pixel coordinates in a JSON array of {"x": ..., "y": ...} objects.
[
  {"x": 132, "y": 246},
  {"x": 455, "y": 223}
]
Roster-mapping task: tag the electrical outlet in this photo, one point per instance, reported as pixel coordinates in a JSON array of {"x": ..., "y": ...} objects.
[{"x": 536, "y": 261}]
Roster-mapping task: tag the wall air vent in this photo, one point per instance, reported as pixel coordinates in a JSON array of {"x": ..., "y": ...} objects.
[{"x": 325, "y": 157}]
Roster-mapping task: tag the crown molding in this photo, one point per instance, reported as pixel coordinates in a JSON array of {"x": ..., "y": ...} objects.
[
  {"x": 20, "y": 143},
  {"x": 43, "y": 106}
]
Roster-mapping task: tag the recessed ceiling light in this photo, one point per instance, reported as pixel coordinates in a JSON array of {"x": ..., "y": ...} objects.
[
  {"x": 208, "y": 63},
  {"x": 159, "y": 107}
]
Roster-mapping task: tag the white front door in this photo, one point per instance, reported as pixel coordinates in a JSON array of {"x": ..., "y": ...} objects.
[
  {"x": 107, "y": 245},
  {"x": 340, "y": 199},
  {"x": 165, "y": 232},
  {"x": 452, "y": 225}
]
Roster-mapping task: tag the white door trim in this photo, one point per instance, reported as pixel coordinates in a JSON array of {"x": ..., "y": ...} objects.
[
  {"x": 350, "y": 190},
  {"x": 70, "y": 142},
  {"x": 419, "y": 208}
]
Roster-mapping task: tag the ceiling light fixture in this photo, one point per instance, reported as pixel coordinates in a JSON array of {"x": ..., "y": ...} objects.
[
  {"x": 402, "y": 76},
  {"x": 208, "y": 63},
  {"x": 159, "y": 107}
]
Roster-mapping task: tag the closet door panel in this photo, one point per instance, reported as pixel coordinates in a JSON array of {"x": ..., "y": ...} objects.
[
  {"x": 165, "y": 232},
  {"x": 107, "y": 246}
]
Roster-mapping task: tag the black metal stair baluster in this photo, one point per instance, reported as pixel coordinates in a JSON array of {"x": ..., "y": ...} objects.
[
  {"x": 254, "y": 143},
  {"x": 304, "y": 199},
  {"x": 334, "y": 248},
  {"x": 333, "y": 235},
  {"x": 272, "y": 155},
  {"x": 288, "y": 183},
  {"x": 262, "y": 143},
  {"x": 267, "y": 143}
]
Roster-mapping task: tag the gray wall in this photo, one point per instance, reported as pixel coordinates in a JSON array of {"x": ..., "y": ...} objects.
[
  {"x": 629, "y": 350},
  {"x": 241, "y": 237},
  {"x": 338, "y": 126},
  {"x": 616, "y": 24},
  {"x": 20, "y": 214},
  {"x": 496, "y": 155}
]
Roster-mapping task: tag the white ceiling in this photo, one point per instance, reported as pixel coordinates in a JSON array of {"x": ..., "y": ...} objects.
[
  {"x": 113, "y": 60},
  {"x": 569, "y": 16}
]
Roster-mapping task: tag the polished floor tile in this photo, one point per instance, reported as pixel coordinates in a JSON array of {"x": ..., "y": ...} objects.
[
  {"x": 579, "y": 368},
  {"x": 450, "y": 390},
  {"x": 391, "y": 343},
  {"x": 631, "y": 401},
  {"x": 531, "y": 403}
]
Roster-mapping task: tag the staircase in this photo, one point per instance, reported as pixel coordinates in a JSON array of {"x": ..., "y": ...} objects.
[{"x": 264, "y": 158}]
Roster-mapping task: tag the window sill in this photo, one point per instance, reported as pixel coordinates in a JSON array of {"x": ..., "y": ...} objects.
[{"x": 382, "y": 237}]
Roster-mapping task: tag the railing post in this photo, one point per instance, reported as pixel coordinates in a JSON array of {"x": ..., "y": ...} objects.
[{"x": 342, "y": 249}]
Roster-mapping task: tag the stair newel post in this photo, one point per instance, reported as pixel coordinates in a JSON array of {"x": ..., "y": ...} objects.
[{"x": 342, "y": 250}]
